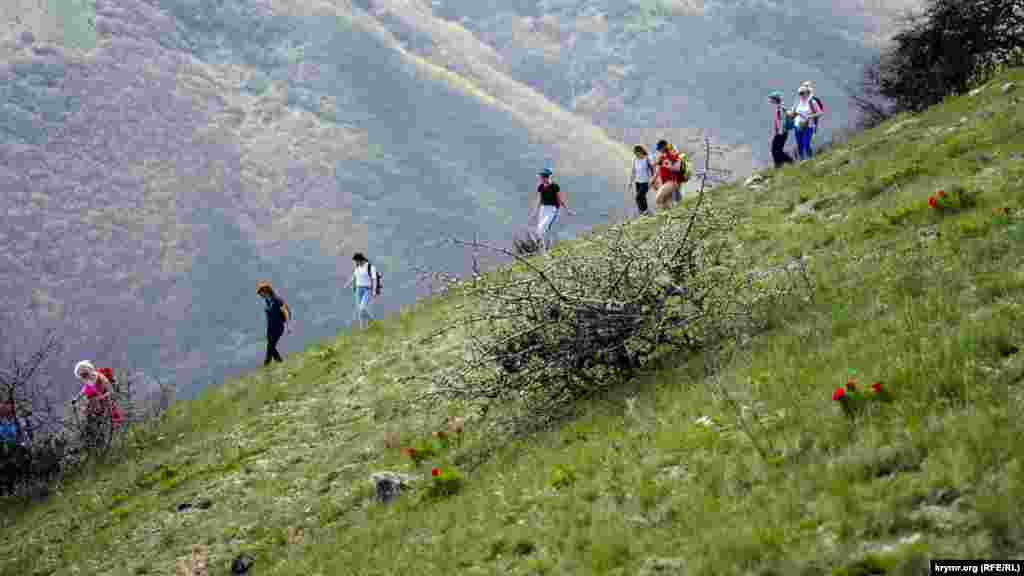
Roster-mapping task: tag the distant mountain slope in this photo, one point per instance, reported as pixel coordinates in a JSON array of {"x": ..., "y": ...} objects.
[
  {"x": 679, "y": 64},
  {"x": 158, "y": 157}
]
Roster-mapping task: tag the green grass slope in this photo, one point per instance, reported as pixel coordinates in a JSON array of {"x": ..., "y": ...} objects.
[{"x": 927, "y": 303}]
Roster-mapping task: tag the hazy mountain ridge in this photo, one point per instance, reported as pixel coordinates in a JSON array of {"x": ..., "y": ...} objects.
[
  {"x": 202, "y": 146},
  {"x": 678, "y": 64},
  {"x": 160, "y": 156}
]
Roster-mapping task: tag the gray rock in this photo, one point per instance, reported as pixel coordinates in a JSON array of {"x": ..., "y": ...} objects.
[
  {"x": 985, "y": 114},
  {"x": 198, "y": 503},
  {"x": 388, "y": 485},
  {"x": 805, "y": 210},
  {"x": 242, "y": 563},
  {"x": 667, "y": 566},
  {"x": 27, "y": 37},
  {"x": 753, "y": 180},
  {"x": 1008, "y": 87}
]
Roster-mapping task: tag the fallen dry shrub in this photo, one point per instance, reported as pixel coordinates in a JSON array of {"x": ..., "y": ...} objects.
[{"x": 556, "y": 328}]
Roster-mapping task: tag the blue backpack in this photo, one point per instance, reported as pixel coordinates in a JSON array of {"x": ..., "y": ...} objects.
[{"x": 788, "y": 122}]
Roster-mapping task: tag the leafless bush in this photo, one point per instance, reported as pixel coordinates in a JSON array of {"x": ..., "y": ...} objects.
[
  {"x": 45, "y": 436},
  {"x": 33, "y": 447},
  {"x": 567, "y": 325}
]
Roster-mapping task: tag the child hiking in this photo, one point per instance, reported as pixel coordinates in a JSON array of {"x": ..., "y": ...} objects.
[
  {"x": 365, "y": 282},
  {"x": 640, "y": 177},
  {"x": 278, "y": 315}
]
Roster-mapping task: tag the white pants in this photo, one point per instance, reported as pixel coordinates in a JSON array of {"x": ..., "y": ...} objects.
[{"x": 546, "y": 220}]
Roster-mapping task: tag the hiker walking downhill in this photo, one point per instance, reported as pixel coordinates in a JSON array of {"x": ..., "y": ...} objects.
[
  {"x": 640, "y": 177},
  {"x": 365, "y": 282},
  {"x": 550, "y": 202},
  {"x": 782, "y": 123},
  {"x": 278, "y": 314},
  {"x": 670, "y": 175},
  {"x": 808, "y": 110}
]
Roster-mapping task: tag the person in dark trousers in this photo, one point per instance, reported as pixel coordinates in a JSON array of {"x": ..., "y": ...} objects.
[
  {"x": 278, "y": 315},
  {"x": 640, "y": 176},
  {"x": 781, "y": 125}
]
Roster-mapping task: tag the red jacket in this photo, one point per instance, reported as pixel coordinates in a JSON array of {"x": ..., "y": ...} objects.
[{"x": 666, "y": 174}]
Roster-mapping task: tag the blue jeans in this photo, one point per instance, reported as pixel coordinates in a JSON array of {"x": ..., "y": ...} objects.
[
  {"x": 363, "y": 304},
  {"x": 803, "y": 142}
]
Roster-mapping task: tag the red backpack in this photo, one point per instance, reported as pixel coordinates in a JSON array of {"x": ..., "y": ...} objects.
[{"x": 108, "y": 373}]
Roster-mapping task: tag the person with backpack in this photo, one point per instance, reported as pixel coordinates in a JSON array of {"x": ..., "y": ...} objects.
[
  {"x": 782, "y": 124},
  {"x": 818, "y": 103},
  {"x": 808, "y": 110},
  {"x": 550, "y": 202},
  {"x": 97, "y": 389},
  {"x": 671, "y": 174},
  {"x": 365, "y": 282},
  {"x": 278, "y": 314},
  {"x": 640, "y": 177}
]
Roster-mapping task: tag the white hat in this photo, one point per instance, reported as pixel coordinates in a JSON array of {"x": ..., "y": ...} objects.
[{"x": 84, "y": 364}]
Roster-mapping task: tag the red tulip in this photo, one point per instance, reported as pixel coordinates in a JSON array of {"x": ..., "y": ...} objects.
[
  {"x": 435, "y": 472},
  {"x": 838, "y": 394}
]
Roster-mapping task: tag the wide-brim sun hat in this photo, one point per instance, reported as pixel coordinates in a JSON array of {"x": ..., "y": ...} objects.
[{"x": 775, "y": 95}]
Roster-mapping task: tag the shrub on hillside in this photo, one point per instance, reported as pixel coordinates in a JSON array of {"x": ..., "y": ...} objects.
[
  {"x": 43, "y": 438},
  {"x": 949, "y": 46},
  {"x": 569, "y": 324}
]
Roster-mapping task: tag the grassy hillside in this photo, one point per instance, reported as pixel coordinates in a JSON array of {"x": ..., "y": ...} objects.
[{"x": 660, "y": 478}]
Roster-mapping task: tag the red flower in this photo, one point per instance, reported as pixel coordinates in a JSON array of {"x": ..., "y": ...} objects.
[
  {"x": 838, "y": 394},
  {"x": 931, "y": 202},
  {"x": 942, "y": 194},
  {"x": 876, "y": 387},
  {"x": 851, "y": 385},
  {"x": 435, "y": 472}
]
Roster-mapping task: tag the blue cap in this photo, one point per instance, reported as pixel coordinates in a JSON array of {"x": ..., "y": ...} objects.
[
  {"x": 545, "y": 172},
  {"x": 776, "y": 94}
]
